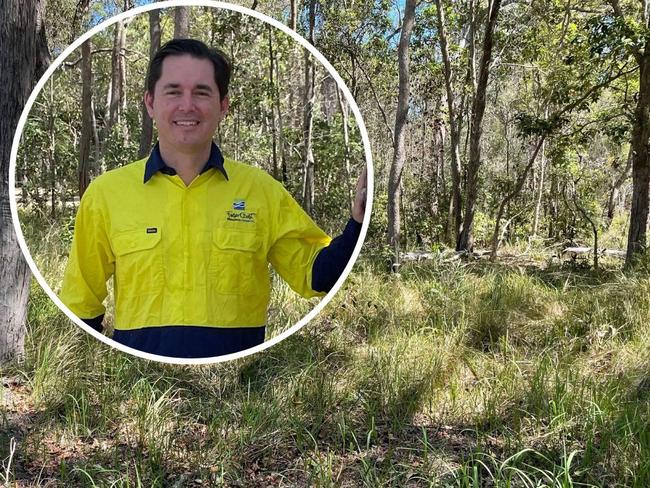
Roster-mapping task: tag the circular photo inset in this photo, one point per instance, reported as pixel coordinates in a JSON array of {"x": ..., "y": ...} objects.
[{"x": 192, "y": 183}]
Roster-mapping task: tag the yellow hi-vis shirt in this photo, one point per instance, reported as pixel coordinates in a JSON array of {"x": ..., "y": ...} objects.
[{"x": 188, "y": 255}]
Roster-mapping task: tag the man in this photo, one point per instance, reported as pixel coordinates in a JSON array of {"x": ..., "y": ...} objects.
[{"x": 187, "y": 234}]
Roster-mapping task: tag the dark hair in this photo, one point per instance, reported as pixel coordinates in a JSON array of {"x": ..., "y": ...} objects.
[{"x": 196, "y": 49}]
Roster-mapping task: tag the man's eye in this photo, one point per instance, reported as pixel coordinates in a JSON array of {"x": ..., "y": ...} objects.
[
  {"x": 203, "y": 94},
  {"x": 173, "y": 92}
]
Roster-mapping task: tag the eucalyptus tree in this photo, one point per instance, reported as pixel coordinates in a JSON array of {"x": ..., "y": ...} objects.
[
  {"x": 455, "y": 106},
  {"x": 181, "y": 22},
  {"x": 631, "y": 29},
  {"x": 146, "y": 135},
  {"x": 399, "y": 156},
  {"x": 465, "y": 239},
  {"x": 87, "y": 119},
  {"x": 24, "y": 56},
  {"x": 309, "y": 95}
]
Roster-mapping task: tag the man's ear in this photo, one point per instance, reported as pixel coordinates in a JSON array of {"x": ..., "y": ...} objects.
[
  {"x": 148, "y": 102},
  {"x": 225, "y": 105}
]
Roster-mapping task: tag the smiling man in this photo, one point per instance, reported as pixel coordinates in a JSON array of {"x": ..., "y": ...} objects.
[{"x": 188, "y": 234}]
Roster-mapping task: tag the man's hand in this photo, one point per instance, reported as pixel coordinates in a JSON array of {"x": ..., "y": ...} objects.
[{"x": 359, "y": 205}]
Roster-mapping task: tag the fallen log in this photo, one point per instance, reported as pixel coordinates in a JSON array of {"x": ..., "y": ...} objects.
[{"x": 574, "y": 252}]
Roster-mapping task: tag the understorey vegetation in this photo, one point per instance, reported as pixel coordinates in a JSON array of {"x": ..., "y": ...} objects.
[{"x": 452, "y": 373}]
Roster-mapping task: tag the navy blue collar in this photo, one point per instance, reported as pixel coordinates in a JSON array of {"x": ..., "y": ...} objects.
[{"x": 155, "y": 163}]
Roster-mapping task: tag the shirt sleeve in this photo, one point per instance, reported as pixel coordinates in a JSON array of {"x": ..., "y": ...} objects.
[
  {"x": 296, "y": 242},
  {"x": 96, "y": 323},
  {"x": 331, "y": 260},
  {"x": 91, "y": 261}
]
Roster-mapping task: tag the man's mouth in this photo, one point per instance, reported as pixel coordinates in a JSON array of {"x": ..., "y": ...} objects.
[{"x": 186, "y": 123}]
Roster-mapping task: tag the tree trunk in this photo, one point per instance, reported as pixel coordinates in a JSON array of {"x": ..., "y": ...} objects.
[
  {"x": 465, "y": 241},
  {"x": 86, "y": 117},
  {"x": 146, "y": 136},
  {"x": 308, "y": 120},
  {"x": 181, "y": 22},
  {"x": 51, "y": 156},
  {"x": 116, "y": 100},
  {"x": 616, "y": 185},
  {"x": 518, "y": 186},
  {"x": 636, "y": 240},
  {"x": 343, "y": 107},
  {"x": 274, "y": 115},
  {"x": 554, "y": 208},
  {"x": 594, "y": 227},
  {"x": 293, "y": 17},
  {"x": 23, "y": 58},
  {"x": 438, "y": 147},
  {"x": 455, "y": 202},
  {"x": 540, "y": 190},
  {"x": 280, "y": 118},
  {"x": 399, "y": 156}
]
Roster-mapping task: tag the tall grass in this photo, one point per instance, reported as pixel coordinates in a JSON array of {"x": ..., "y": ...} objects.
[{"x": 452, "y": 374}]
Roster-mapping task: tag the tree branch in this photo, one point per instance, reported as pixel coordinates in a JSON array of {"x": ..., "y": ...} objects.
[{"x": 379, "y": 105}]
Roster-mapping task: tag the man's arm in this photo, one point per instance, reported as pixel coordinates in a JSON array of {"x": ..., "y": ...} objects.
[
  {"x": 331, "y": 260},
  {"x": 90, "y": 264}
]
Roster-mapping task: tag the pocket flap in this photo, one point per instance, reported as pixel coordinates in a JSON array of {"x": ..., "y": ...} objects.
[
  {"x": 134, "y": 240},
  {"x": 236, "y": 240}
]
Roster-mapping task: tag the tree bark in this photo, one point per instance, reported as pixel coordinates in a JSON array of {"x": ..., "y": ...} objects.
[
  {"x": 308, "y": 119},
  {"x": 540, "y": 191},
  {"x": 455, "y": 202},
  {"x": 181, "y": 22},
  {"x": 293, "y": 15},
  {"x": 343, "y": 107},
  {"x": 51, "y": 156},
  {"x": 117, "y": 77},
  {"x": 465, "y": 241},
  {"x": 636, "y": 240},
  {"x": 86, "y": 117},
  {"x": 23, "y": 58},
  {"x": 146, "y": 136},
  {"x": 594, "y": 227},
  {"x": 276, "y": 116},
  {"x": 399, "y": 154},
  {"x": 280, "y": 116},
  {"x": 438, "y": 148},
  {"x": 616, "y": 185}
]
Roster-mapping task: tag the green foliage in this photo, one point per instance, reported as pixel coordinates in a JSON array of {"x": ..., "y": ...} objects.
[
  {"x": 449, "y": 375},
  {"x": 48, "y": 156}
]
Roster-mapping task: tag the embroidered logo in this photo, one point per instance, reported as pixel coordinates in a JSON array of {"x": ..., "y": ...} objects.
[
  {"x": 152, "y": 230},
  {"x": 239, "y": 205},
  {"x": 248, "y": 217}
]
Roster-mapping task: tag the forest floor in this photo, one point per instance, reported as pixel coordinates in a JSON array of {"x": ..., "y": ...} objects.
[{"x": 526, "y": 372}]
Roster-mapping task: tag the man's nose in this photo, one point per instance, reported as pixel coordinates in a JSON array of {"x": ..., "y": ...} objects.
[{"x": 186, "y": 102}]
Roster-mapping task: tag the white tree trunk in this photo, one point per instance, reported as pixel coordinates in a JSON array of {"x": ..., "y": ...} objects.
[{"x": 399, "y": 153}]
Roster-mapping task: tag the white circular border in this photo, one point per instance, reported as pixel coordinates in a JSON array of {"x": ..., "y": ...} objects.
[{"x": 131, "y": 13}]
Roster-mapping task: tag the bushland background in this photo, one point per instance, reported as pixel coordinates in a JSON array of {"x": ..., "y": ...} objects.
[
  {"x": 495, "y": 330},
  {"x": 274, "y": 124}
]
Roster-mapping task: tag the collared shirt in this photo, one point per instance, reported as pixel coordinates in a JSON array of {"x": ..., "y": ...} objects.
[
  {"x": 155, "y": 163},
  {"x": 294, "y": 251}
]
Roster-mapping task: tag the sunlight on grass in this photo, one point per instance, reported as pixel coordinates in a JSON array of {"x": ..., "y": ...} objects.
[{"x": 450, "y": 374}]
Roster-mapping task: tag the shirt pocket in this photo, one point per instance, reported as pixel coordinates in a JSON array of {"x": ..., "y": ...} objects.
[
  {"x": 235, "y": 261},
  {"x": 138, "y": 262}
]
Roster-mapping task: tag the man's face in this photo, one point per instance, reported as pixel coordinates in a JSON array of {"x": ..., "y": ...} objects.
[{"x": 186, "y": 104}]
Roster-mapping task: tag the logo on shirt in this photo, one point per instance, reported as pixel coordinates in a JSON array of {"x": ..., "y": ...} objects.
[
  {"x": 248, "y": 217},
  {"x": 239, "y": 205}
]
